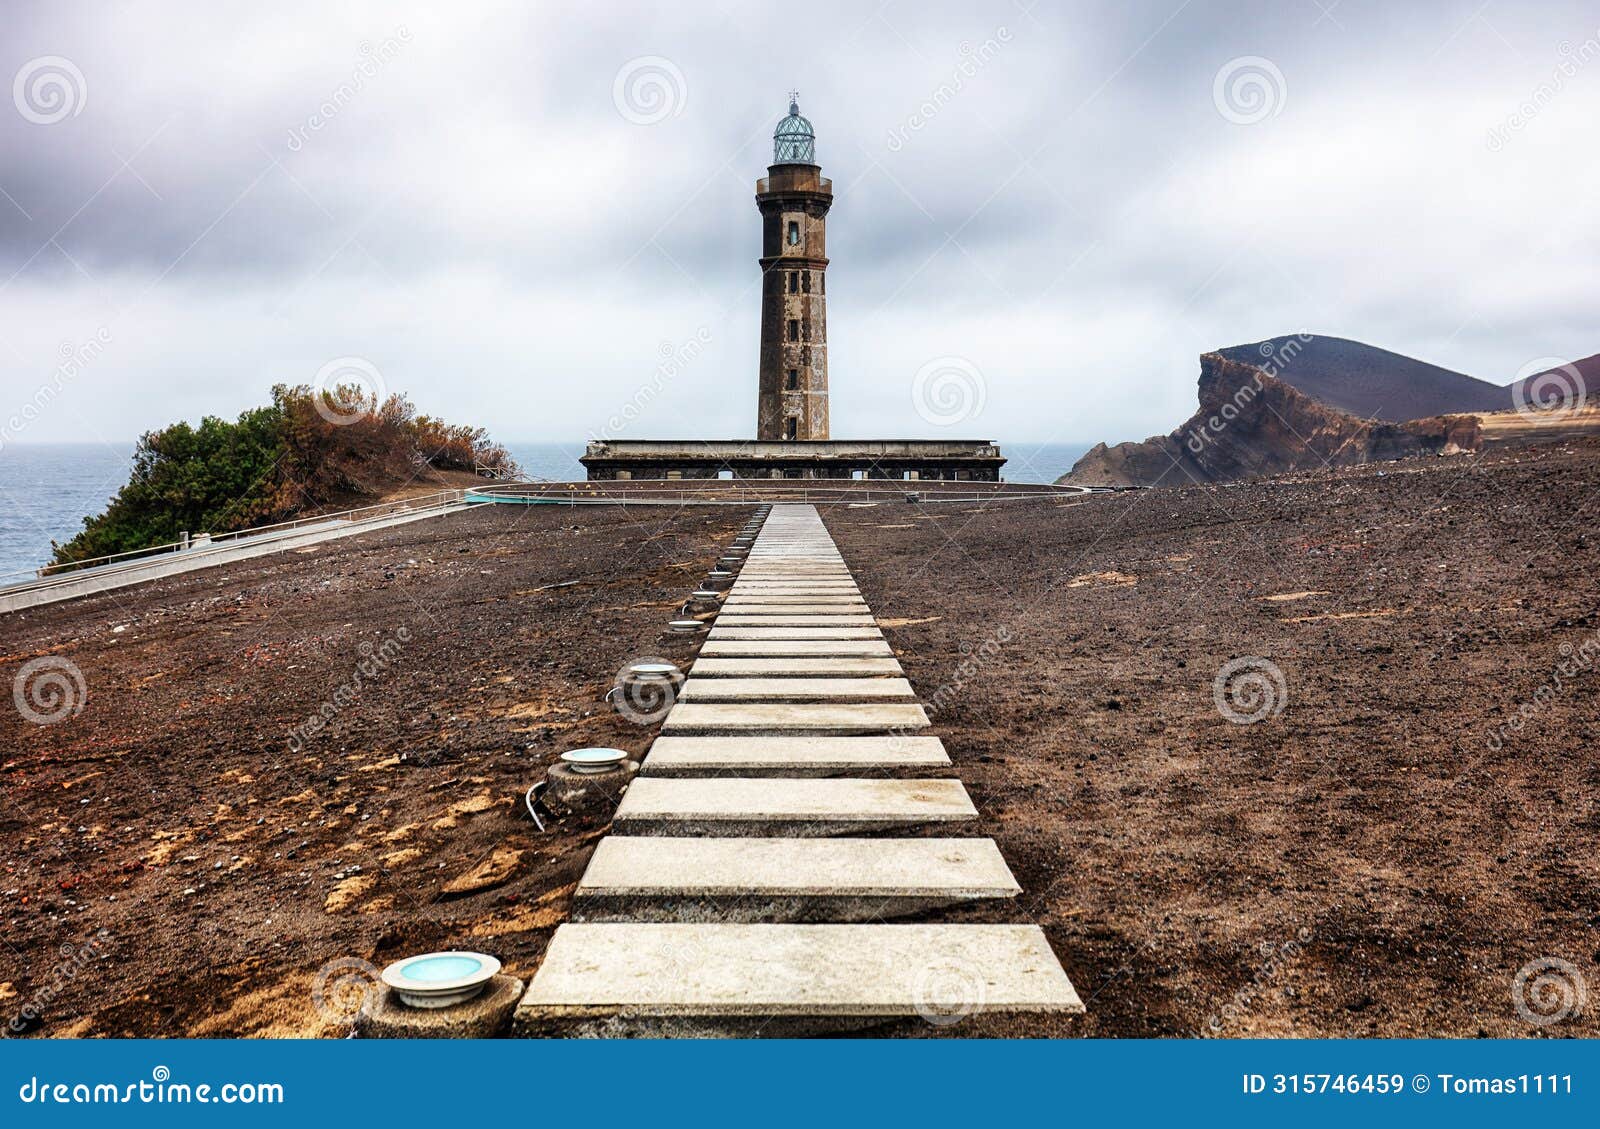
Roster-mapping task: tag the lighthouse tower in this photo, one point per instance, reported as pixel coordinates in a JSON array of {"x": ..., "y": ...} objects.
[{"x": 794, "y": 198}]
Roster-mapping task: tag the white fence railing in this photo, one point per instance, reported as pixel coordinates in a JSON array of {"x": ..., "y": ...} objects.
[{"x": 219, "y": 540}]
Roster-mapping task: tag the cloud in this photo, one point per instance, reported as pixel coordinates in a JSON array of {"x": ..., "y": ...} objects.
[{"x": 1050, "y": 192}]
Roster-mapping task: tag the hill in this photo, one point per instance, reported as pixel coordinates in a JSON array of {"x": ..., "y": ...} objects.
[
  {"x": 1250, "y": 423},
  {"x": 1300, "y": 402},
  {"x": 1368, "y": 382}
]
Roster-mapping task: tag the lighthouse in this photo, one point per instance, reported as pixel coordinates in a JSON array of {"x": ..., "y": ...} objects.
[
  {"x": 794, "y": 198},
  {"x": 792, "y": 426}
]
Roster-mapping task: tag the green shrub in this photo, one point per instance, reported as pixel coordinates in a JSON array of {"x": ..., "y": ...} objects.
[{"x": 274, "y": 464}]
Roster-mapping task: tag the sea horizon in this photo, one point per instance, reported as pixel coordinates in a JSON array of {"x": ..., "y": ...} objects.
[{"x": 47, "y": 489}]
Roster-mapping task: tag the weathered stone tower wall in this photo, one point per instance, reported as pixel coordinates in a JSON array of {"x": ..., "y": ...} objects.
[{"x": 794, "y": 199}]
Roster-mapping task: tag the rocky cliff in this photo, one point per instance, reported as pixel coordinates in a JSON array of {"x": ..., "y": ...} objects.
[
  {"x": 1367, "y": 381},
  {"x": 1250, "y": 424}
]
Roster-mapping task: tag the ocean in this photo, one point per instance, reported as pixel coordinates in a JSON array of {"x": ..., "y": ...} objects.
[{"x": 47, "y": 489}]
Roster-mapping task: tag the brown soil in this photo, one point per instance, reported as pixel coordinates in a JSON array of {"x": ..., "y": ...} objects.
[
  {"x": 227, "y": 863},
  {"x": 1364, "y": 862}
]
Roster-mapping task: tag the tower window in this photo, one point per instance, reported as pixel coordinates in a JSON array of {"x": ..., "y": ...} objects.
[
  {"x": 794, "y": 282},
  {"x": 791, "y": 427},
  {"x": 805, "y": 330},
  {"x": 793, "y": 380},
  {"x": 794, "y": 233},
  {"x": 822, "y": 283},
  {"x": 805, "y": 281},
  {"x": 794, "y": 329}
]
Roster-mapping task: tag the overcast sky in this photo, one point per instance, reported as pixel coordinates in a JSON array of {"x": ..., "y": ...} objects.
[{"x": 515, "y": 215}]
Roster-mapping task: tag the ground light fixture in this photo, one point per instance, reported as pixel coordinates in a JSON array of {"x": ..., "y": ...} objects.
[
  {"x": 653, "y": 668},
  {"x": 435, "y": 980},
  {"x": 685, "y": 626},
  {"x": 592, "y": 762},
  {"x": 647, "y": 677}
]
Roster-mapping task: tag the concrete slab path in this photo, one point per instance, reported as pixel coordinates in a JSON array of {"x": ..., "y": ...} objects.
[
  {"x": 675, "y": 979},
  {"x": 803, "y": 667},
  {"x": 791, "y": 756},
  {"x": 719, "y": 647},
  {"x": 735, "y": 894},
  {"x": 823, "y": 806},
  {"x": 780, "y": 688},
  {"x": 793, "y": 717}
]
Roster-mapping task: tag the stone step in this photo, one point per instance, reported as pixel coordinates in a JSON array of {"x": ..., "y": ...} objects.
[
  {"x": 731, "y": 805},
  {"x": 756, "y": 581},
  {"x": 783, "y": 601},
  {"x": 754, "y": 571},
  {"x": 727, "y": 648},
  {"x": 790, "y": 667},
  {"x": 773, "y": 581},
  {"x": 791, "y": 689},
  {"x": 791, "y": 574},
  {"x": 796, "y": 578},
  {"x": 629, "y": 978},
  {"x": 740, "y": 607},
  {"x": 824, "y": 619},
  {"x": 791, "y": 756},
  {"x": 740, "y": 879},
  {"x": 794, "y": 634},
  {"x": 781, "y": 717},
  {"x": 789, "y": 598},
  {"x": 795, "y": 588}
]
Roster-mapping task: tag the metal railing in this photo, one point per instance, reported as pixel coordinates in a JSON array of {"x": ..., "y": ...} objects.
[
  {"x": 713, "y": 492},
  {"x": 134, "y": 557}
]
